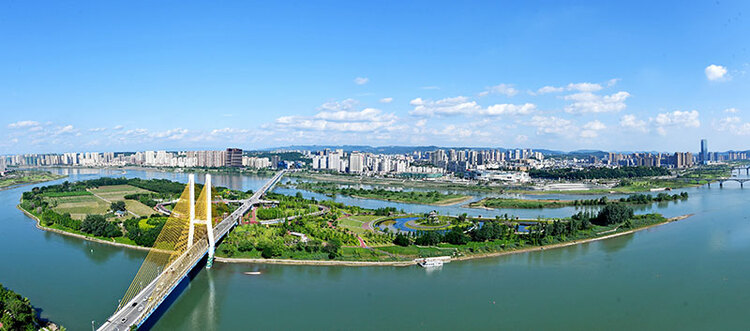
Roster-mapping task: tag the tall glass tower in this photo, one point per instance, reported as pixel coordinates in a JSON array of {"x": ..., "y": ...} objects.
[{"x": 704, "y": 151}]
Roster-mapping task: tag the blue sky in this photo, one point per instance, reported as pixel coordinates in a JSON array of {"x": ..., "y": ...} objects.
[{"x": 116, "y": 76}]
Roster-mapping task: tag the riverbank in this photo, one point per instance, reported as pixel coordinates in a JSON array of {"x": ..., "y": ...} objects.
[
  {"x": 38, "y": 224},
  {"x": 515, "y": 203},
  {"x": 317, "y": 262},
  {"x": 15, "y": 182},
  {"x": 500, "y": 203}
]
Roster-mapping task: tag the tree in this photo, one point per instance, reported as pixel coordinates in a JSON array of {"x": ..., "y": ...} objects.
[
  {"x": 332, "y": 248},
  {"x": 429, "y": 238},
  {"x": 613, "y": 213},
  {"x": 456, "y": 237},
  {"x": 271, "y": 249},
  {"x": 401, "y": 240},
  {"x": 117, "y": 206},
  {"x": 97, "y": 225}
]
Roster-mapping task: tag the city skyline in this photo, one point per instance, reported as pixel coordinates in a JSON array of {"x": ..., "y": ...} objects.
[{"x": 358, "y": 74}]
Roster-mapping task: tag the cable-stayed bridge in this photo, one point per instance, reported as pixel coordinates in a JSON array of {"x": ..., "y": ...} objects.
[{"x": 188, "y": 235}]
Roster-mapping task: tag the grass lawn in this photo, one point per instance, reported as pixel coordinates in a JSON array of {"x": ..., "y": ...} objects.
[
  {"x": 354, "y": 223},
  {"x": 80, "y": 206},
  {"x": 139, "y": 208}
]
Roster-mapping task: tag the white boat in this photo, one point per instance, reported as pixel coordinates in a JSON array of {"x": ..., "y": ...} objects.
[
  {"x": 430, "y": 263},
  {"x": 252, "y": 273}
]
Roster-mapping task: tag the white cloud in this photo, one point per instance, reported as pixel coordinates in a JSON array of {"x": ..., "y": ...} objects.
[
  {"x": 448, "y": 106},
  {"x": 65, "y": 129},
  {"x": 421, "y": 123},
  {"x": 549, "y": 89},
  {"x": 579, "y": 87},
  {"x": 22, "y": 124},
  {"x": 346, "y": 104},
  {"x": 688, "y": 119},
  {"x": 97, "y": 129},
  {"x": 338, "y": 116},
  {"x": 222, "y": 131},
  {"x": 551, "y": 124},
  {"x": 584, "y": 87},
  {"x": 633, "y": 123},
  {"x": 508, "y": 109},
  {"x": 430, "y": 87},
  {"x": 715, "y": 72},
  {"x": 587, "y": 102},
  {"x": 173, "y": 134},
  {"x": 731, "y": 110},
  {"x": 463, "y": 106},
  {"x": 117, "y": 127},
  {"x": 521, "y": 138},
  {"x": 594, "y": 125},
  {"x": 505, "y": 89},
  {"x": 365, "y": 115},
  {"x": 734, "y": 125},
  {"x": 591, "y": 129},
  {"x": 361, "y": 80},
  {"x": 386, "y": 100}
]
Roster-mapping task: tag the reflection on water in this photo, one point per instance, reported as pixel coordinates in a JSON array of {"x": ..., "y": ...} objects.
[{"x": 616, "y": 244}]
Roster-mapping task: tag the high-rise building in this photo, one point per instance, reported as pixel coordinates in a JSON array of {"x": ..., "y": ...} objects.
[
  {"x": 234, "y": 157},
  {"x": 704, "y": 151},
  {"x": 356, "y": 161}
]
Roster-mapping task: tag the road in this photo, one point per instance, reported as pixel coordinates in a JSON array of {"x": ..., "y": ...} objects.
[{"x": 153, "y": 294}]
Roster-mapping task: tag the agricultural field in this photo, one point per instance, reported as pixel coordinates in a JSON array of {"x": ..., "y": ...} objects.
[
  {"x": 78, "y": 206},
  {"x": 96, "y": 201}
]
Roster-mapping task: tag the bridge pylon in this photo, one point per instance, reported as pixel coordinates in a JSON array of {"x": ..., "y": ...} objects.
[{"x": 208, "y": 217}]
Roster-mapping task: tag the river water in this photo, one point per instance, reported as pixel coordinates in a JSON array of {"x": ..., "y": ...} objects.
[{"x": 691, "y": 274}]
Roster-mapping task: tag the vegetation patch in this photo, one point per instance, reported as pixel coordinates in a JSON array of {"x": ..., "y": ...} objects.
[{"x": 420, "y": 197}]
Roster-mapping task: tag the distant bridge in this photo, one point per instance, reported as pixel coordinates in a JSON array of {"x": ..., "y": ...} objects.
[{"x": 178, "y": 249}]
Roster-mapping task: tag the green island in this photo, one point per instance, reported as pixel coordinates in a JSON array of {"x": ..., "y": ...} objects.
[
  {"x": 418, "y": 197},
  {"x": 514, "y": 203},
  {"x": 23, "y": 177},
  {"x": 112, "y": 210},
  {"x": 121, "y": 211},
  {"x": 353, "y": 234},
  {"x": 17, "y": 313}
]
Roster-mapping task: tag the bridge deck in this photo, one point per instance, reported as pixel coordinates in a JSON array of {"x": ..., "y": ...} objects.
[{"x": 148, "y": 300}]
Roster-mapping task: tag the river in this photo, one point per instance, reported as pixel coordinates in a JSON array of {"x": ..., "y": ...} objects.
[{"x": 691, "y": 274}]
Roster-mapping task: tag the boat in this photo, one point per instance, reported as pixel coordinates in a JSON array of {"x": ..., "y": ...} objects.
[
  {"x": 251, "y": 272},
  {"x": 430, "y": 263}
]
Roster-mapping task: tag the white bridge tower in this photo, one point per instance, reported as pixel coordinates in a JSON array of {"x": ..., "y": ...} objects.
[{"x": 207, "y": 221}]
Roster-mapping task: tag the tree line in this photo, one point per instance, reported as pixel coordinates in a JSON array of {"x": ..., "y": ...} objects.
[
  {"x": 537, "y": 234},
  {"x": 598, "y": 173}
]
